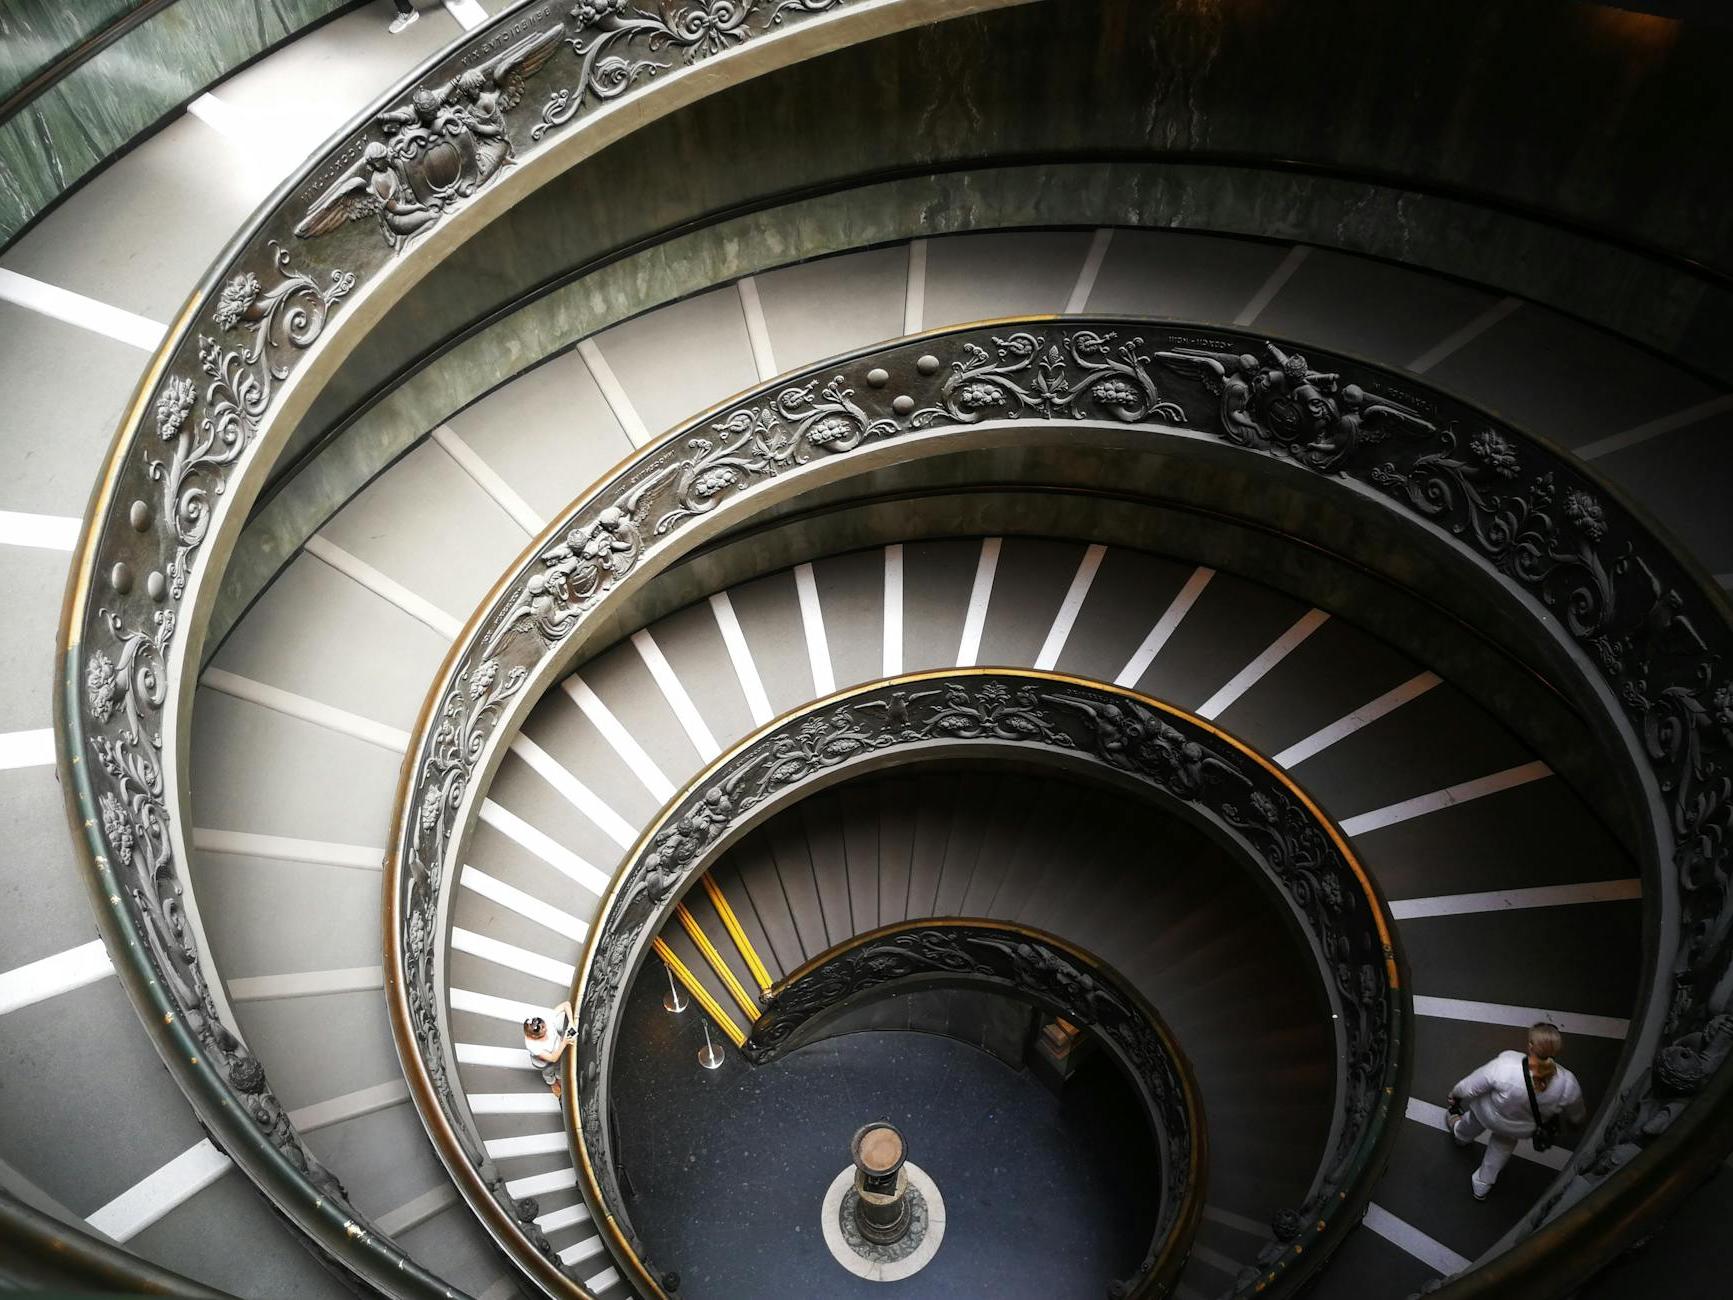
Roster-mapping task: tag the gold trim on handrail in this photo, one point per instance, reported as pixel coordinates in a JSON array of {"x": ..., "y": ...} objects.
[{"x": 591, "y": 1187}]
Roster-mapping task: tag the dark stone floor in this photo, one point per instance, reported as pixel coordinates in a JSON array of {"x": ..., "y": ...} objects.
[{"x": 1043, "y": 1197}]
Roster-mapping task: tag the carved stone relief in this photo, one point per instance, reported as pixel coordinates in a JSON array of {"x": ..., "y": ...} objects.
[
  {"x": 204, "y": 425},
  {"x": 449, "y": 139}
]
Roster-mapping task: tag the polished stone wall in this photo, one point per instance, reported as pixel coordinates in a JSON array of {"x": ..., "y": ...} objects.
[
  {"x": 1555, "y": 150},
  {"x": 34, "y": 33},
  {"x": 98, "y": 109}
]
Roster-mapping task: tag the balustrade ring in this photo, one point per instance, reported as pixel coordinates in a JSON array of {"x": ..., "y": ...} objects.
[
  {"x": 1232, "y": 792},
  {"x": 1064, "y": 980},
  {"x": 1634, "y": 621}
]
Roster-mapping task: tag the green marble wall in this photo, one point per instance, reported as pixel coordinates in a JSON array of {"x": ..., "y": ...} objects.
[
  {"x": 34, "y": 33},
  {"x": 71, "y": 128},
  {"x": 1478, "y": 139}
]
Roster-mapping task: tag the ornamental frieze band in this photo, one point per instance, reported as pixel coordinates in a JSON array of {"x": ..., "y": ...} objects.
[
  {"x": 1526, "y": 517},
  {"x": 1196, "y": 768}
]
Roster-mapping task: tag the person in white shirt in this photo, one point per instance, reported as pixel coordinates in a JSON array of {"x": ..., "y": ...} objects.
[
  {"x": 1495, "y": 1099},
  {"x": 546, "y": 1039}
]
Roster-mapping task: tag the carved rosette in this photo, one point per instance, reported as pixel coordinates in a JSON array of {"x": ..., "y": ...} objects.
[
  {"x": 1189, "y": 763},
  {"x": 1037, "y": 968}
]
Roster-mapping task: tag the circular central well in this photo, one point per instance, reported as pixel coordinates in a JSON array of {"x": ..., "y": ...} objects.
[{"x": 949, "y": 1106}]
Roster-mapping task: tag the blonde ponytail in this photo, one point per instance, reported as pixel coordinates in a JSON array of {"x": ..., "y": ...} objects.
[{"x": 1544, "y": 1042}]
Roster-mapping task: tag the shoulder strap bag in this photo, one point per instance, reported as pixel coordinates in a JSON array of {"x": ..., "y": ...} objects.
[{"x": 1545, "y": 1130}]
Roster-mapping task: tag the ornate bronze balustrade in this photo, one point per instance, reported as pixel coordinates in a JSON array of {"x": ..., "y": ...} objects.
[
  {"x": 1646, "y": 636},
  {"x": 1059, "y": 977},
  {"x": 486, "y": 122},
  {"x": 511, "y": 104},
  {"x": 1204, "y": 774}
]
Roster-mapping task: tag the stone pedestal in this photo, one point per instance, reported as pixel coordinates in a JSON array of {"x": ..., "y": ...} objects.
[
  {"x": 883, "y": 1217},
  {"x": 881, "y": 1185},
  {"x": 1056, "y": 1053}
]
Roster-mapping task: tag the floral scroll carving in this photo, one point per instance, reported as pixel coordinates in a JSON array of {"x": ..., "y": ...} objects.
[
  {"x": 619, "y": 44},
  {"x": 206, "y": 425},
  {"x": 1645, "y": 629},
  {"x": 1167, "y": 750},
  {"x": 1081, "y": 373},
  {"x": 238, "y": 385},
  {"x": 456, "y": 744}
]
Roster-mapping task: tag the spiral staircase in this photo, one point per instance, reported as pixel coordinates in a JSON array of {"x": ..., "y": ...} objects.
[{"x": 472, "y": 396}]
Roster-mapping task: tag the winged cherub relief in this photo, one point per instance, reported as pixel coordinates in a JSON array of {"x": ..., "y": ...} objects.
[
  {"x": 445, "y": 143},
  {"x": 1284, "y": 403},
  {"x": 376, "y": 187}
]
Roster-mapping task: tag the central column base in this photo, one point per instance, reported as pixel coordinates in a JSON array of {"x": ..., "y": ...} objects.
[{"x": 909, "y": 1254}]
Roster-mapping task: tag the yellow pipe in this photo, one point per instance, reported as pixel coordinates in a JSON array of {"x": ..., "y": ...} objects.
[
  {"x": 721, "y": 967},
  {"x": 731, "y": 923},
  {"x": 700, "y": 994}
]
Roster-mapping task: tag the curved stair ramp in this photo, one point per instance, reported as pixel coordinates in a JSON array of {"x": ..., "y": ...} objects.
[
  {"x": 1394, "y": 757},
  {"x": 363, "y": 845},
  {"x": 1093, "y": 866},
  {"x": 430, "y": 576},
  {"x": 1517, "y": 773},
  {"x": 622, "y": 773},
  {"x": 1458, "y": 850}
]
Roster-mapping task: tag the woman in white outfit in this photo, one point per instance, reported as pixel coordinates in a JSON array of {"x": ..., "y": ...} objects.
[
  {"x": 545, "y": 1039},
  {"x": 1495, "y": 1099}
]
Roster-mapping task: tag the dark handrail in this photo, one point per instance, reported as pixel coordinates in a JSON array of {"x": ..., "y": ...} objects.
[
  {"x": 1202, "y": 772},
  {"x": 40, "y": 1252}
]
